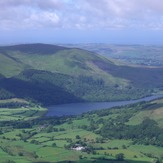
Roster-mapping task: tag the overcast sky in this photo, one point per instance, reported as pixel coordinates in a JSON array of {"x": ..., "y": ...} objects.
[{"x": 81, "y": 21}]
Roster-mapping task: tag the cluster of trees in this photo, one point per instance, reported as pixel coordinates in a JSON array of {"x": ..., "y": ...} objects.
[{"x": 148, "y": 132}]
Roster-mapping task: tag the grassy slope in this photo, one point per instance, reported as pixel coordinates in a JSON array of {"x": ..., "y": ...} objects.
[
  {"x": 72, "y": 62},
  {"x": 10, "y": 67},
  {"x": 154, "y": 112}
]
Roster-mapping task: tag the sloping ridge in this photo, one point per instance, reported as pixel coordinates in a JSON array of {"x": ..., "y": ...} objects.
[{"x": 36, "y": 48}]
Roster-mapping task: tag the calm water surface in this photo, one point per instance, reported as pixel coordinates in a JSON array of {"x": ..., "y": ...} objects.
[{"x": 79, "y": 108}]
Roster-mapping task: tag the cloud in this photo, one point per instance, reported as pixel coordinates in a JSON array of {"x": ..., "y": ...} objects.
[
  {"x": 124, "y": 13},
  {"x": 17, "y": 14},
  {"x": 48, "y": 4},
  {"x": 81, "y": 14}
]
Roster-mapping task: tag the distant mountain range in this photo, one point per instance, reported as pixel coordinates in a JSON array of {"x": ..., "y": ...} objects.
[{"x": 50, "y": 74}]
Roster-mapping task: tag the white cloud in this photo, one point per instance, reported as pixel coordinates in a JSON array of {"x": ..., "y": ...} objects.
[
  {"x": 81, "y": 14},
  {"x": 44, "y": 18},
  {"x": 17, "y": 14}
]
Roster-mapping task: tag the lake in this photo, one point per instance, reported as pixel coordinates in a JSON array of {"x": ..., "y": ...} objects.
[{"x": 79, "y": 108}]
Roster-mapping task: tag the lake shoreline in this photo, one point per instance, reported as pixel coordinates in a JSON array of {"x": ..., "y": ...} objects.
[{"x": 79, "y": 108}]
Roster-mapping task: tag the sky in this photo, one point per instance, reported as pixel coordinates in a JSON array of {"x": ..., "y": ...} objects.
[{"x": 81, "y": 21}]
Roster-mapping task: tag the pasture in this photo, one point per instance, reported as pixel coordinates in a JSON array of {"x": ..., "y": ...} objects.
[{"x": 51, "y": 139}]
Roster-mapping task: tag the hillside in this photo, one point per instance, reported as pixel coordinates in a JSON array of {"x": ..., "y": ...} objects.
[
  {"x": 133, "y": 54},
  {"x": 10, "y": 66},
  {"x": 51, "y": 74}
]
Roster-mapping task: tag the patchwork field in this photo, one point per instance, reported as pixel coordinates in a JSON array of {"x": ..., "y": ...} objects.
[
  {"x": 25, "y": 137},
  {"x": 25, "y": 112}
]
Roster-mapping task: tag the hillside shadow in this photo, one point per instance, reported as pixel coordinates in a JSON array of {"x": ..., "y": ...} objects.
[
  {"x": 139, "y": 76},
  {"x": 38, "y": 91}
]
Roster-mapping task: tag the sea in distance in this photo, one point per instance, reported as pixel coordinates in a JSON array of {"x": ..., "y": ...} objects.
[{"x": 79, "y": 108}]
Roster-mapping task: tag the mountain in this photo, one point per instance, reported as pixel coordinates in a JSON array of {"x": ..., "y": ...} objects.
[{"x": 51, "y": 74}]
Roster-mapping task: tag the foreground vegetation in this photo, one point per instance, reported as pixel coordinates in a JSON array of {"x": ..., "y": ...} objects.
[{"x": 132, "y": 134}]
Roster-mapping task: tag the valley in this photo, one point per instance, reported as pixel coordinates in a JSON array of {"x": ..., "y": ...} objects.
[
  {"x": 110, "y": 135},
  {"x": 36, "y": 76},
  {"x": 81, "y": 81}
]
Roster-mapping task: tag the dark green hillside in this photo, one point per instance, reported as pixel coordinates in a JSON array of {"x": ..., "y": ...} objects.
[
  {"x": 52, "y": 74},
  {"x": 54, "y": 88},
  {"x": 33, "y": 48},
  {"x": 138, "y": 76},
  {"x": 39, "y": 91}
]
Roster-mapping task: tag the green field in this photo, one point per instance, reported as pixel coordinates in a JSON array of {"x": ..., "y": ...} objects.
[
  {"x": 25, "y": 112},
  {"x": 27, "y": 138}
]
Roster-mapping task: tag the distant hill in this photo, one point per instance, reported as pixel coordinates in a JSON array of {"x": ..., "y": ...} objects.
[
  {"x": 51, "y": 74},
  {"x": 33, "y": 48},
  {"x": 133, "y": 54}
]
